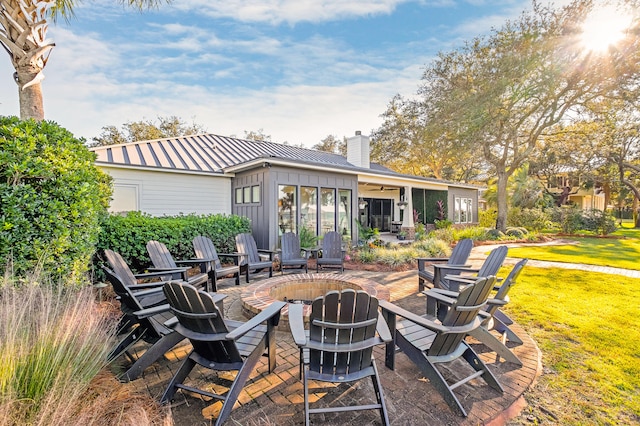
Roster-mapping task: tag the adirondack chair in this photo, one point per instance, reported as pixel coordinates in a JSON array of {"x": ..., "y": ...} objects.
[
  {"x": 428, "y": 343},
  {"x": 251, "y": 259},
  {"x": 338, "y": 347},
  {"x": 459, "y": 256},
  {"x": 205, "y": 249},
  {"x": 455, "y": 276},
  {"x": 131, "y": 280},
  {"x": 439, "y": 302},
  {"x": 291, "y": 256},
  {"x": 219, "y": 344},
  {"x": 332, "y": 252},
  {"x": 163, "y": 261},
  {"x": 146, "y": 316}
]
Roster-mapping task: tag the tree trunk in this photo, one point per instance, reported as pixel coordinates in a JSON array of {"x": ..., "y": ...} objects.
[
  {"x": 501, "y": 222},
  {"x": 31, "y": 103}
]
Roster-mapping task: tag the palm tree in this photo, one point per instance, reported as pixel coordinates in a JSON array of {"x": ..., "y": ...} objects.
[{"x": 23, "y": 34}]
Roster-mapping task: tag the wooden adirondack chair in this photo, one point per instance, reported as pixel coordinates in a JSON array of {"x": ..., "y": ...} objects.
[
  {"x": 246, "y": 246},
  {"x": 146, "y": 316},
  {"x": 338, "y": 348},
  {"x": 205, "y": 249},
  {"x": 291, "y": 257},
  {"x": 332, "y": 252},
  {"x": 439, "y": 302},
  {"x": 163, "y": 261},
  {"x": 459, "y": 256},
  {"x": 427, "y": 342},
  {"x": 219, "y": 344},
  {"x": 455, "y": 276}
]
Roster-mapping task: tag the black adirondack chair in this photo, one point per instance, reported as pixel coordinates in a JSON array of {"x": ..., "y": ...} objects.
[
  {"x": 145, "y": 316},
  {"x": 439, "y": 302},
  {"x": 427, "y": 342},
  {"x": 452, "y": 277},
  {"x": 251, "y": 259},
  {"x": 163, "y": 261},
  {"x": 206, "y": 250},
  {"x": 291, "y": 255},
  {"x": 332, "y": 252},
  {"x": 459, "y": 256},
  {"x": 219, "y": 344},
  {"x": 338, "y": 347}
]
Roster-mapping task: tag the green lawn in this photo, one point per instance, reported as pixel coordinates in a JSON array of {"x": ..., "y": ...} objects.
[
  {"x": 585, "y": 324},
  {"x": 623, "y": 252}
]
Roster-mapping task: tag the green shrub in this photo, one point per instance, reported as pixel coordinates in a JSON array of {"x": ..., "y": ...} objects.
[
  {"x": 494, "y": 234},
  {"x": 532, "y": 219},
  {"x": 487, "y": 218},
  {"x": 445, "y": 234},
  {"x": 129, "y": 234},
  {"x": 476, "y": 233},
  {"x": 598, "y": 221},
  {"x": 567, "y": 218},
  {"x": 307, "y": 238},
  {"x": 54, "y": 342},
  {"x": 443, "y": 223},
  {"x": 51, "y": 200},
  {"x": 516, "y": 232}
]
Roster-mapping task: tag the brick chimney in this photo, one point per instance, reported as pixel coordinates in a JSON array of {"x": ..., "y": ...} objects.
[{"x": 358, "y": 150}]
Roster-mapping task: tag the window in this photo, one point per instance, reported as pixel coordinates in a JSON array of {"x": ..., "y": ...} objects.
[
  {"x": 238, "y": 195},
  {"x": 287, "y": 208},
  {"x": 246, "y": 194},
  {"x": 309, "y": 208},
  {"x": 328, "y": 209},
  {"x": 344, "y": 212},
  {"x": 255, "y": 194},
  {"x": 463, "y": 210}
]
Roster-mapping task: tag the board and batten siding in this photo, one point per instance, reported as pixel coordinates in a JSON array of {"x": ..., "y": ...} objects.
[{"x": 162, "y": 193}]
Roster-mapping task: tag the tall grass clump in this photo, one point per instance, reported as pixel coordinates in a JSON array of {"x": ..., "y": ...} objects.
[{"x": 54, "y": 342}]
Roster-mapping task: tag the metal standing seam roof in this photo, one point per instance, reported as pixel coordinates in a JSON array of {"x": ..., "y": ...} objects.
[{"x": 207, "y": 153}]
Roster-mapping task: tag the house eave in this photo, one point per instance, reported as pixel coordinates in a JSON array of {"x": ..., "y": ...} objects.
[{"x": 105, "y": 164}]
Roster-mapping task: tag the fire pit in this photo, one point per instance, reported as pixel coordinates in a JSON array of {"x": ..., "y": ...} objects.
[{"x": 302, "y": 288}]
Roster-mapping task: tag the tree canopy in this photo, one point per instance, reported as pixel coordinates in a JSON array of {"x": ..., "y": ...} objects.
[{"x": 164, "y": 127}]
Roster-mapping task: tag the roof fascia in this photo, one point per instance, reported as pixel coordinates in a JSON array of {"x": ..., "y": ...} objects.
[{"x": 108, "y": 165}]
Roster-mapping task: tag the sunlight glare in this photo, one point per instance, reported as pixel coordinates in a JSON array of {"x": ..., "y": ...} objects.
[{"x": 604, "y": 27}]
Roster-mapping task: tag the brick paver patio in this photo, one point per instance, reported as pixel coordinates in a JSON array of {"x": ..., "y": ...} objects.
[{"x": 277, "y": 399}]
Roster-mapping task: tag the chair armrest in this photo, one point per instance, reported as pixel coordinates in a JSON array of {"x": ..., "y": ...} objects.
[
  {"x": 296, "y": 324},
  {"x": 499, "y": 302},
  {"x": 460, "y": 279},
  {"x": 269, "y": 252},
  {"x": 449, "y": 293},
  {"x": 151, "y": 274},
  {"x": 145, "y": 291},
  {"x": 271, "y": 311},
  {"x": 136, "y": 288},
  {"x": 165, "y": 270},
  {"x": 442, "y": 298},
  {"x": 149, "y": 312},
  {"x": 432, "y": 259},
  {"x": 383, "y": 329},
  {"x": 426, "y": 323},
  {"x": 461, "y": 268}
]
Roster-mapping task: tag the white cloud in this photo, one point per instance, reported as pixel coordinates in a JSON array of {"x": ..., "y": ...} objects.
[{"x": 289, "y": 11}]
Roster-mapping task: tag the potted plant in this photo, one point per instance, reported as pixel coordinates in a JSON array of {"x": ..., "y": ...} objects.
[{"x": 402, "y": 235}]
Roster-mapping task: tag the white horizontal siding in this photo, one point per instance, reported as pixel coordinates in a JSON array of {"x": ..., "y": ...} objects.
[{"x": 162, "y": 193}]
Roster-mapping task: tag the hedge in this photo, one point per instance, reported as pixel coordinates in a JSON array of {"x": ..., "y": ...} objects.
[{"x": 129, "y": 234}]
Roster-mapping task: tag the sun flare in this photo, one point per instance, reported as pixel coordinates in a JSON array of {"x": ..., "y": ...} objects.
[{"x": 604, "y": 27}]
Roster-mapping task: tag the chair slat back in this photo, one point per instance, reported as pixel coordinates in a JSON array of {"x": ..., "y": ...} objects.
[
  {"x": 342, "y": 318},
  {"x": 332, "y": 245},
  {"x": 185, "y": 300},
  {"x": 127, "y": 299},
  {"x": 506, "y": 285},
  {"x": 494, "y": 262},
  {"x": 463, "y": 312},
  {"x": 160, "y": 255},
  {"x": 205, "y": 249},
  {"x": 120, "y": 267},
  {"x": 290, "y": 244},
  {"x": 245, "y": 243},
  {"x": 461, "y": 252}
]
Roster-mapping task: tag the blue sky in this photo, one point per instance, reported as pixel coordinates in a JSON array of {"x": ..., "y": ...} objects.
[{"x": 297, "y": 69}]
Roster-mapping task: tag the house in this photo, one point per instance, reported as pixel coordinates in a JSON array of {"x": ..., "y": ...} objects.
[
  {"x": 279, "y": 187},
  {"x": 567, "y": 188}
]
